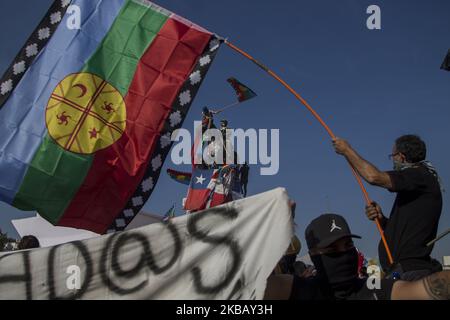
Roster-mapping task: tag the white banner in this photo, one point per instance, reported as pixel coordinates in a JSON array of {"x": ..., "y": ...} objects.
[{"x": 226, "y": 252}]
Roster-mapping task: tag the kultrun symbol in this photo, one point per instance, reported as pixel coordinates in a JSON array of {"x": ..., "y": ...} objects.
[
  {"x": 96, "y": 111},
  {"x": 63, "y": 119},
  {"x": 108, "y": 107}
]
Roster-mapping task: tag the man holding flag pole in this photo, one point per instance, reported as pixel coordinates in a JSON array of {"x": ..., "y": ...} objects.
[{"x": 414, "y": 218}]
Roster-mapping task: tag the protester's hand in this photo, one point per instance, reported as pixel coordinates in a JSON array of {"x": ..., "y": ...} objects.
[
  {"x": 373, "y": 211},
  {"x": 309, "y": 272},
  {"x": 341, "y": 146}
]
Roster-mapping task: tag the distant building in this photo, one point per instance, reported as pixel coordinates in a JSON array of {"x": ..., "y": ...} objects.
[{"x": 446, "y": 262}]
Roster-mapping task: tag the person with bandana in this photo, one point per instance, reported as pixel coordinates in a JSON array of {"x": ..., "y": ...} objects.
[
  {"x": 207, "y": 119},
  {"x": 414, "y": 217},
  {"x": 226, "y": 142},
  {"x": 335, "y": 258}
]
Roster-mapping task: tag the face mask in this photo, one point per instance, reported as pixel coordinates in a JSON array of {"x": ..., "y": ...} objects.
[
  {"x": 399, "y": 166},
  {"x": 337, "y": 267}
]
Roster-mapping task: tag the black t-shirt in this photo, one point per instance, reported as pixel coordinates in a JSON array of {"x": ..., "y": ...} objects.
[
  {"x": 315, "y": 288},
  {"x": 414, "y": 219}
]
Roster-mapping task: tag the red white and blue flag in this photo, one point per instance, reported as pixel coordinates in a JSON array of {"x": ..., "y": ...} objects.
[
  {"x": 211, "y": 187},
  {"x": 202, "y": 184}
]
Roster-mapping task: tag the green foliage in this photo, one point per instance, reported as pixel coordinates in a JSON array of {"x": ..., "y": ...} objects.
[{"x": 4, "y": 240}]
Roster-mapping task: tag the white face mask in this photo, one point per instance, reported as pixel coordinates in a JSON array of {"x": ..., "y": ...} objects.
[{"x": 399, "y": 166}]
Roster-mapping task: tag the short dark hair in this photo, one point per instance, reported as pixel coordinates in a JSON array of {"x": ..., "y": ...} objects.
[
  {"x": 412, "y": 147},
  {"x": 28, "y": 242}
]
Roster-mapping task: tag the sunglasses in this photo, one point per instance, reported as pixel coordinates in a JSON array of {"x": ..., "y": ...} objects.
[{"x": 392, "y": 155}]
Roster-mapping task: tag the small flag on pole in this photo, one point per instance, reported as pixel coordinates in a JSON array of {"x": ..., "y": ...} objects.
[
  {"x": 170, "y": 214},
  {"x": 85, "y": 116},
  {"x": 242, "y": 91},
  {"x": 181, "y": 177},
  {"x": 201, "y": 186}
]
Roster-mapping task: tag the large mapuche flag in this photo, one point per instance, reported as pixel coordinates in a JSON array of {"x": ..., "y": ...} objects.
[{"x": 86, "y": 115}]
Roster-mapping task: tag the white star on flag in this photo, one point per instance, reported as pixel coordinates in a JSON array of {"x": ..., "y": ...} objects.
[
  {"x": 31, "y": 50},
  {"x": 156, "y": 162},
  {"x": 55, "y": 17},
  {"x": 137, "y": 201},
  {"x": 64, "y": 3},
  {"x": 185, "y": 97},
  {"x": 19, "y": 67},
  {"x": 165, "y": 140},
  {"x": 128, "y": 213},
  {"x": 175, "y": 118},
  {"x": 214, "y": 45},
  {"x": 6, "y": 87},
  {"x": 195, "y": 77},
  {"x": 205, "y": 60},
  {"x": 200, "y": 179},
  {"x": 120, "y": 222},
  {"x": 43, "y": 33},
  {"x": 147, "y": 184}
]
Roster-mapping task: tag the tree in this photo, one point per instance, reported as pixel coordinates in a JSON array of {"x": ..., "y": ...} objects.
[{"x": 4, "y": 240}]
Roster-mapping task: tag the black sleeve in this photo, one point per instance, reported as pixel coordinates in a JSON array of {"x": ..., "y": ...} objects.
[
  {"x": 407, "y": 180},
  {"x": 305, "y": 289},
  {"x": 297, "y": 291}
]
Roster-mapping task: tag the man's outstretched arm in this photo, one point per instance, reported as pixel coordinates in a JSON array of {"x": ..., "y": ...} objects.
[
  {"x": 368, "y": 171},
  {"x": 432, "y": 287}
]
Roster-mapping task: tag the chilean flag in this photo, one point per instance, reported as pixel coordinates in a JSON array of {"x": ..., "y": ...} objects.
[
  {"x": 219, "y": 196},
  {"x": 202, "y": 184}
]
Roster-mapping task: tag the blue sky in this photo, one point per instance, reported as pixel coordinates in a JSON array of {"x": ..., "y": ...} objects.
[{"x": 370, "y": 86}]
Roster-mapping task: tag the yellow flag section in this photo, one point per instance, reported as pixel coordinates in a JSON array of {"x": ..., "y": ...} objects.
[{"x": 226, "y": 252}]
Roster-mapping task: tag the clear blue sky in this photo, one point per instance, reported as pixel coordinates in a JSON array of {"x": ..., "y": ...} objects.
[{"x": 369, "y": 86}]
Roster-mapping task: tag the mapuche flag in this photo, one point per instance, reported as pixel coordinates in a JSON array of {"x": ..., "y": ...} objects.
[
  {"x": 86, "y": 114},
  {"x": 181, "y": 177},
  {"x": 242, "y": 91}
]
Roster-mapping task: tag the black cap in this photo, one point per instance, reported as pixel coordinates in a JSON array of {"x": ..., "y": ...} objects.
[{"x": 326, "y": 229}]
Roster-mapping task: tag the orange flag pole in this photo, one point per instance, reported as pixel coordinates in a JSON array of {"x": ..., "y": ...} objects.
[{"x": 316, "y": 115}]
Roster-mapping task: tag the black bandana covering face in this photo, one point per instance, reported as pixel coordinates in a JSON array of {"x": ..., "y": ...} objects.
[{"x": 337, "y": 268}]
